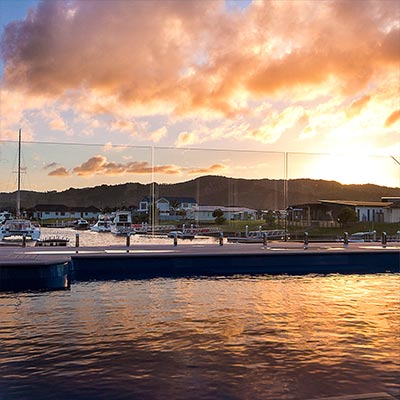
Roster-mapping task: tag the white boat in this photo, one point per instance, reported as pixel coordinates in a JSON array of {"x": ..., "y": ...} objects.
[
  {"x": 5, "y": 216},
  {"x": 258, "y": 236},
  {"x": 19, "y": 226},
  {"x": 103, "y": 224},
  {"x": 181, "y": 235},
  {"x": 81, "y": 224},
  {"x": 363, "y": 237},
  {"x": 122, "y": 223}
]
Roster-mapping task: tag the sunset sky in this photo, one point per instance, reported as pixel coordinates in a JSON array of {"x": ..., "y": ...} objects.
[{"x": 133, "y": 78}]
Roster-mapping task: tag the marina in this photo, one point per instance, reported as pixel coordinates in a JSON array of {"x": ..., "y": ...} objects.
[{"x": 85, "y": 263}]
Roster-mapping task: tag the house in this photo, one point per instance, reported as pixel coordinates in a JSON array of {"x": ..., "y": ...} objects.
[
  {"x": 392, "y": 212},
  {"x": 168, "y": 205},
  {"x": 205, "y": 213},
  {"x": 367, "y": 211},
  {"x": 63, "y": 212},
  {"x": 326, "y": 212}
]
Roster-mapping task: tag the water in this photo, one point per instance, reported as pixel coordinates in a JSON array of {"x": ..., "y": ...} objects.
[
  {"x": 89, "y": 238},
  {"x": 234, "y": 338}
]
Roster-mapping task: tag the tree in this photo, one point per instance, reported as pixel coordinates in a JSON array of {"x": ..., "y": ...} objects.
[
  {"x": 270, "y": 219},
  {"x": 218, "y": 214},
  {"x": 346, "y": 216}
]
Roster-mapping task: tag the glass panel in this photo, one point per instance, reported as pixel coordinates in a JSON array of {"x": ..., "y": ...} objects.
[{"x": 243, "y": 185}]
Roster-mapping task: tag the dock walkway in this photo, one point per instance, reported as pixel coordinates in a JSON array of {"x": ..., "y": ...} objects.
[{"x": 145, "y": 261}]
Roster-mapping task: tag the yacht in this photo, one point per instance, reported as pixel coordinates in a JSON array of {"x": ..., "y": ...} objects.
[
  {"x": 103, "y": 224},
  {"x": 5, "y": 216},
  {"x": 122, "y": 223},
  {"x": 19, "y": 226},
  {"x": 81, "y": 224}
]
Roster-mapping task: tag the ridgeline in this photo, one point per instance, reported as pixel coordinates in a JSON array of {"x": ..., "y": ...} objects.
[{"x": 207, "y": 190}]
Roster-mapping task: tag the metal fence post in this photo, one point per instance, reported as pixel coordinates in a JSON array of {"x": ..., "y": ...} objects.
[
  {"x": 305, "y": 240},
  {"x": 384, "y": 239}
]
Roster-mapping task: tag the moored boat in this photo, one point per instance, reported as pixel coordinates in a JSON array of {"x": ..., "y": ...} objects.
[
  {"x": 81, "y": 224},
  {"x": 258, "y": 236},
  {"x": 19, "y": 227},
  {"x": 52, "y": 241},
  {"x": 181, "y": 235},
  {"x": 103, "y": 224},
  {"x": 122, "y": 223}
]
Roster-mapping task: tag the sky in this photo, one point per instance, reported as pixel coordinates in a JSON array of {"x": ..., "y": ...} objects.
[{"x": 110, "y": 91}]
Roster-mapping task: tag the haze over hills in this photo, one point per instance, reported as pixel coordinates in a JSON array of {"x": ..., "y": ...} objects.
[{"x": 207, "y": 190}]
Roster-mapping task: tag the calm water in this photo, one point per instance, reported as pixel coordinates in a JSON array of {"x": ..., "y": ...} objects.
[
  {"x": 89, "y": 238},
  {"x": 234, "y": 338}
]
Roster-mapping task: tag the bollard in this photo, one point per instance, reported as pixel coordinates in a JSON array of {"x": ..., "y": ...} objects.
[
  {"x": 77, "y": 241},
  {"x": 247, "y": 230},
  {"x": 346, "y": 238},
  {"x": 265, "y": 239},
  {"x": 128, "y": 241},
  {"x": 221, "y": 239},
  {"x": 24, "y": 240},
  {"x": 175, "y": 239},
  {"x": 305, "y": 240},
  {"x": 384, "y": 239}
]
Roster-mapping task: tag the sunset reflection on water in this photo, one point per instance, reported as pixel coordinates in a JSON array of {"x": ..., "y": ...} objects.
[{"x": 239, "y": 338}]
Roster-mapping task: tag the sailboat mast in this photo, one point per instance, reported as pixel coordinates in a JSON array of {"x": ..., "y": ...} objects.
[{"x": 19, "y": 176}]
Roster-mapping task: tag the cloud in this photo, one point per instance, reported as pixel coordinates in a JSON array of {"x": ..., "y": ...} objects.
[
  {"x": 51, "y": 165},
  {"x": 60, "y": 172},
  {"x": 211, "y": 169},
  {"x": 99, "y": 165},
  {"x": 109, "y": 55},
  {"x": 357, "y": 105},
  {"x": 392, "y": 118}
]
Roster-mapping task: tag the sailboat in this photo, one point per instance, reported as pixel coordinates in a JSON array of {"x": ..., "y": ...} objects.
[{"x": 19, "y": 226}]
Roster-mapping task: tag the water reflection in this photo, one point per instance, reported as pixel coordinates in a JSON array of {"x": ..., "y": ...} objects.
[{"x": 236, "y": 338}]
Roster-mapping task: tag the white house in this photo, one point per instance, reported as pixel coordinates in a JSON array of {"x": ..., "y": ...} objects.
[
  {"x": 205, "y": 213},
  {"x": 62, "y": 212},
  {"x": 392, "y": 212},
  {"x": 168, "y": 204}
]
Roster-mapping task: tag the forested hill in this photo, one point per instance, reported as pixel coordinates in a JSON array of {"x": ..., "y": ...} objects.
[{"x": 207, "y": 190}]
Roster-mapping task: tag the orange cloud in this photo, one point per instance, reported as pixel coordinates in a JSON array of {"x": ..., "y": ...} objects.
[
  {"x": 61, "y": 171},
  {"x": 99, "y": 165},
  {"x": 357, "y": 105},
  {"x": 208, "y": 170},
  {"x": 197, "y": 56},
  {"x": 392, "y": 118}
]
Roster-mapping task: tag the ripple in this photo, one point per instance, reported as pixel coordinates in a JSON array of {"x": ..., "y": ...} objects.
[{"x": 236, "y": 338}]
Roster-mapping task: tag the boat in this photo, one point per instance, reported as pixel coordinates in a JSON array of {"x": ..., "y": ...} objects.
[
  {"x": 81, "y": 224},
  {"x": 52, "y": 241},
  {"x": 5, "y": 216},
  {"x": 103, "y": 224},
  {"x": 363, "y": 237},
  {"x": 122, "y": 223},
  {"x": 19, "y": 226},
  {"x": 258, "y": 236},
  {"x": 181, "y": 235}
]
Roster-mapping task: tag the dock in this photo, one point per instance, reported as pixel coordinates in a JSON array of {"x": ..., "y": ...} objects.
[{"x": 71, "y": 264}]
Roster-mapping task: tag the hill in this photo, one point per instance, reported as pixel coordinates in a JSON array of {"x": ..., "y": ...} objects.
[{"x": 208, "y": 190}]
